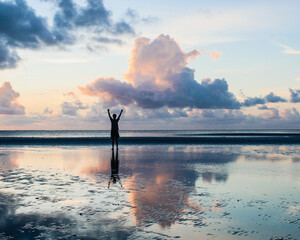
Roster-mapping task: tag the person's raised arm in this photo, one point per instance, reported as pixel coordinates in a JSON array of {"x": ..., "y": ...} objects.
[
  {"x": 120, "y": 114},
  {"x": 109, "y": 114}
]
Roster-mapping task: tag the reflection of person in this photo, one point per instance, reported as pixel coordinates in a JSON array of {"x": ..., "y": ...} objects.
[
  {"x": 114, "y": 177},
  {"x": 114, "y": 134}
]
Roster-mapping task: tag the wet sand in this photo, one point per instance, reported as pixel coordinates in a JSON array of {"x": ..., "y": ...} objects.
[{"x": 150, "y": 192}]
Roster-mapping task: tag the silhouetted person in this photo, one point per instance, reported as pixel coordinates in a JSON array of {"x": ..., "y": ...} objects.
[
  {"x": 114, "y": 177},
  {"x": 114, "y": 133}
]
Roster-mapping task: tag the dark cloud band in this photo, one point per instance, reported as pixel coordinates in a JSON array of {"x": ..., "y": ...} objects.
[{"x": 21, "y": 27}]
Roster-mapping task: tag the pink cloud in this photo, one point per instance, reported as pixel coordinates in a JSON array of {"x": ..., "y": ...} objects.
[
  {"x": 152, "y": 63},
  {"x": 8, "y": 100},
  {"x": 158, "y": 76}
]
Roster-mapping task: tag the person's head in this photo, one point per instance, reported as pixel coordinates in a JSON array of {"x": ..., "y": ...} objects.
[{"x": 114, "y": 116}]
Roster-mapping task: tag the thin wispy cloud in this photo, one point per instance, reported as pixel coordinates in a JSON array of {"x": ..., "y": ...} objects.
[
  {"x": 288, "y": 50},
  {"x": 214, "y": 55}
]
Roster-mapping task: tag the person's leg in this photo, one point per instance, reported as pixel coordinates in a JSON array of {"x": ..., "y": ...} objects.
[
  {"x": 117, "y": 143},
  {"x": 112, "y": 142}
]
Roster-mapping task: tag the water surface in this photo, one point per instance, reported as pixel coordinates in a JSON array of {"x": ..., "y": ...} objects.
[{"x": 162, "y": 192}]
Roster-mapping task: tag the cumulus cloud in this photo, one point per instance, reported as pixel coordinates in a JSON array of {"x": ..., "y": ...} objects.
[
  {"x": 158, "y": 77},
  {"x": 71, "y": 108},
  {"x": 21, "y": 27},
  {"x": 271, "y": 97},
  {"x": 295, "y": 95},
  {"x": 8, "y": 100}
]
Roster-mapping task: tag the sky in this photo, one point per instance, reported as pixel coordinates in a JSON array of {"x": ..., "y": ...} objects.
[{"x": 169, "y": 64}]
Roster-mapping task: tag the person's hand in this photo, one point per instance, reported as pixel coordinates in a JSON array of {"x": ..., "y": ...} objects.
[
  {"x": 121, "y": 110},
  {"x": 108, "y": 110}
]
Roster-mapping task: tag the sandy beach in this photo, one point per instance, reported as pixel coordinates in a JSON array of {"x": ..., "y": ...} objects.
[{"x": 160, "y": 192}]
